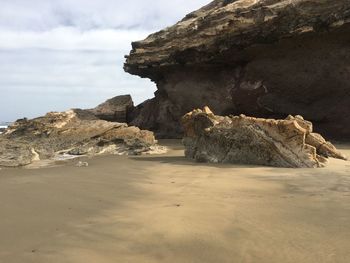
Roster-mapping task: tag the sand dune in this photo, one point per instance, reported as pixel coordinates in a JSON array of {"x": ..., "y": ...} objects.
[{"x": 168, "y": 209}]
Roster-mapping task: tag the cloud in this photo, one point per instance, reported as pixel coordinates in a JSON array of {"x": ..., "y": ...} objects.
[
  {"x": 61, "y": 54},
  {"x": 71, "y": 38},
  {"x": 35, "y": 81},
  {"x": 43, "y": 15}
]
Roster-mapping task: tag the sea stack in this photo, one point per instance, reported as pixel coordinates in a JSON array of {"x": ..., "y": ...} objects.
[{"x": 260, "y": 58}]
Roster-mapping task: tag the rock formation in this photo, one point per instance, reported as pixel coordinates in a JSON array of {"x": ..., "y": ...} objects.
[
  {"x": 115, "y": 109},
  {"x": 263, "y": 58},
  {"x": 74, "y": 132},
  {"x": 246, "y": 140}
]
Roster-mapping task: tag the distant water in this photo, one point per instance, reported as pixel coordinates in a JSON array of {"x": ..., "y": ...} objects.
[{"x": 4, "y": 125}]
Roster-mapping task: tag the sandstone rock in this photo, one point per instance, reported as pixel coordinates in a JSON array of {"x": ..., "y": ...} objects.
[
  {"x": 75, "y": 132},
  {"x": 15, "y": 154},
  {"x": 262, "y": 58},
  {"x": 247, "y": 140},
  {"x": 115, "y": 109}
]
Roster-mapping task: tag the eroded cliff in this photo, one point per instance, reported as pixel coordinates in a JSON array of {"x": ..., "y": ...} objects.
[{"x": 263, "y": 58}]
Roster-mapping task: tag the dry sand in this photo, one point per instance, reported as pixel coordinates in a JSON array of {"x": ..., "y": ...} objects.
[{"x": 168, "y": 209}]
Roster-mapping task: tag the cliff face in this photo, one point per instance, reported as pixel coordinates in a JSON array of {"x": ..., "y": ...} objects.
[{"x": 264, "y": 58}]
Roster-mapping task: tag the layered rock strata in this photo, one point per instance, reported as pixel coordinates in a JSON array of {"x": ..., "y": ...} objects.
[
  {"x": 262, "y": 58},
  {"x": 246, "y": 140},
  {"x": 74, "y": 132}
]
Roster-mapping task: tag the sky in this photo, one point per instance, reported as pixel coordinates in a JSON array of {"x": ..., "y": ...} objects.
[{"x": 62, "y": 54}]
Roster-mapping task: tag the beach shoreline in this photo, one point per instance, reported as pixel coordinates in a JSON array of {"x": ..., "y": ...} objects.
[{"x": 165, "y": 208}]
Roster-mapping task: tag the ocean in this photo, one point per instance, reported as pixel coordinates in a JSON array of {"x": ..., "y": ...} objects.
[{"x": 3, "y": 126}]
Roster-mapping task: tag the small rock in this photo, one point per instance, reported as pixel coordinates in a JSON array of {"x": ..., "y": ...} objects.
[{"x": 82, "y": 164}]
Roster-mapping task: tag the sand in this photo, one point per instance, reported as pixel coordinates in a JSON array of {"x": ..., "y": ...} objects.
[{"x": 168, "y": 209}]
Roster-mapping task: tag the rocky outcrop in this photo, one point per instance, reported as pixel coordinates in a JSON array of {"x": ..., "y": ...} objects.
[
  {"x": 116, "y": 109},
  {"x": 246, "y": 140},
  {"x": 74, "y": 132},
  {"x": 262, "y": 58}
]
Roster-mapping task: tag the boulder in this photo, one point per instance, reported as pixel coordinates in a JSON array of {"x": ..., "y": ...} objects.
[
  {"x": 115, "y": 109},
  {"x": 13, "y": 154},
  {"x": 75, "y": 132},
  {"x": 256, "y": 141},
  {"x": 262, "y": 58}
]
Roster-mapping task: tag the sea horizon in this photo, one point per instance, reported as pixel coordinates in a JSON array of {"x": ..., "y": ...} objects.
[{"x": 5, "y": 123}]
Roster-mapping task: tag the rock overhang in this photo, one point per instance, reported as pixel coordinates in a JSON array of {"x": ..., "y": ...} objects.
[
  {"x": 261, "y": 58},
  {"x": 220, "y": 32}
]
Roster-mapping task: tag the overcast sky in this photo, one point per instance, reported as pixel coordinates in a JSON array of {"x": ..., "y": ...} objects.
[{"x": 60, "y": 54}]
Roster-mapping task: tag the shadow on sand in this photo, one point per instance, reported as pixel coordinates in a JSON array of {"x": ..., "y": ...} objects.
[{"x": 182, "y": 160}]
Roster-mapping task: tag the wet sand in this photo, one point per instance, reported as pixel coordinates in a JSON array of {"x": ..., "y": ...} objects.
[{"x": 168, "y": 209}]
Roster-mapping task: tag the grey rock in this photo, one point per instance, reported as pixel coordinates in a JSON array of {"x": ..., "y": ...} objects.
[{"x": 82, "y": 164}]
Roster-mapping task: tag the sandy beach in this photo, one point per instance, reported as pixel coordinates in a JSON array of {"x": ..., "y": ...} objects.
[{"x": 164, "y": 208}]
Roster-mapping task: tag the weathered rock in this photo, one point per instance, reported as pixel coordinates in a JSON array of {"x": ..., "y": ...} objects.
[
  {"x": 75, "y": 132},
  {"x": 263, "y": 58},
  {"x": 246, "y": 140},
  {"x": 115, "y": 109},
  {"x": 160, "y": 116},
  {"x": 16, "y": 154}
]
